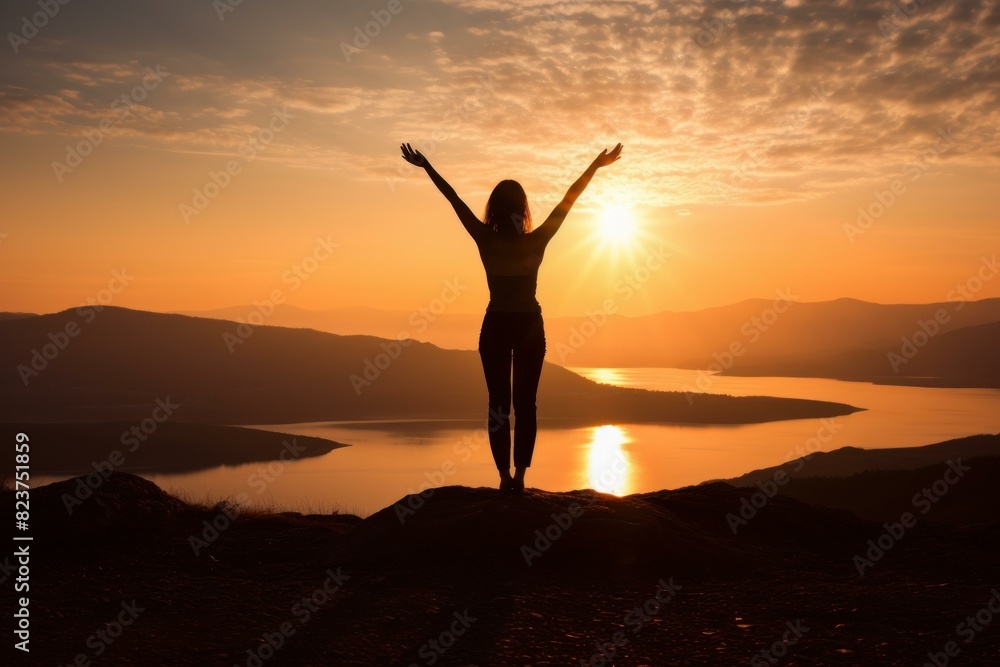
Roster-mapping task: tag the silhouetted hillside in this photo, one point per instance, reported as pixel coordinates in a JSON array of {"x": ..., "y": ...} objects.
[
  {"x": 120, "y": 362},
  {"x": 853, "y": 460},
  {"x": 15, "y": 316},
  {"x": 770, "y": 332},
  {"x": 544, "y": 578},
  {"x": 968, "y": 357},
  {"x": 166, "y": 446},
  {"x": 682, "y": 531},
  {"x": 452, "y": 331},
  {"x": 844, "y": 339},
  {"x": 961, "y": 492}
]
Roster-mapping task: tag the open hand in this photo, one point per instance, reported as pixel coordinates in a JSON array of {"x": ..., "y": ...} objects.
[
  {"x": 606, "y": 158},
  {"x": 416, "y": 158}
]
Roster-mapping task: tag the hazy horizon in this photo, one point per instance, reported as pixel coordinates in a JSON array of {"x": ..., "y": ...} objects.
[{"x": 478, "y": 311}]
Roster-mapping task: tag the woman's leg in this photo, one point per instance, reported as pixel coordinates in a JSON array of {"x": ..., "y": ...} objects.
[
  {"x": 529, "y": 353},
  {"x": 495, "y": 352}
]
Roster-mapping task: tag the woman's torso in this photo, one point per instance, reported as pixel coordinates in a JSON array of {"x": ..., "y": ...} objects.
[{"x": 511, "y": 265}]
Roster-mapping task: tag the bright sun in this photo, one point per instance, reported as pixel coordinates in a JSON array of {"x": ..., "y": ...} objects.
[{"x": 616, "y": 224}]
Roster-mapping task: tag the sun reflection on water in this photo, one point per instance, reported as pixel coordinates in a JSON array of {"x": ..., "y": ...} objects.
[
  {"x": 608, "y": 464},
  {"x": 604, "y": 376}
]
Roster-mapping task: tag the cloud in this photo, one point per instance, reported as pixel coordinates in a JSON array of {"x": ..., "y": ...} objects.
[{"x": 717, "y": 101}]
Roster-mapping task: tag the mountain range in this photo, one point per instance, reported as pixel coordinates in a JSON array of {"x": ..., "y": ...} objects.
[
  {"x": 949, "y": 343},
  {"x": 86, "y": 365}
]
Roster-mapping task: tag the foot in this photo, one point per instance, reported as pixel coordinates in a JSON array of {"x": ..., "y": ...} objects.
[
  {"x": 518, "y": 479},
  {"x": 506, "y": 485}
]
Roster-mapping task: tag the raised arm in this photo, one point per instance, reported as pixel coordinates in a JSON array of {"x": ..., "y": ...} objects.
[
  {"x": 555, "y": 219},
  {"x": 472, "y": 224}
]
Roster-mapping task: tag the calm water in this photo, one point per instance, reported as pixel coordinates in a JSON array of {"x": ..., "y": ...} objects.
[{"x": 390, "y": 459}]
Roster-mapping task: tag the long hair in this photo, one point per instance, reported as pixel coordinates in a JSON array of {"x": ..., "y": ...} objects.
[{"x": 507, "y": 211}]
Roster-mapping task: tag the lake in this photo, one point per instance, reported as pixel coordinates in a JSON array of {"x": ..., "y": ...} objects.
[{"x": 387, "y": 460}]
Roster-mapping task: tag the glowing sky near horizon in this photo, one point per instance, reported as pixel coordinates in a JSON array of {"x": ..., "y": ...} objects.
[{"x": 753, "y": 131}]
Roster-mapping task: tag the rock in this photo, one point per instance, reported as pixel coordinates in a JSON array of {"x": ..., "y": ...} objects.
[{"x": 101, "y": 504}]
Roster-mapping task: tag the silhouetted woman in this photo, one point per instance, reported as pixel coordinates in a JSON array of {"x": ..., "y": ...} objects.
[{"x": 512, "y": 328}]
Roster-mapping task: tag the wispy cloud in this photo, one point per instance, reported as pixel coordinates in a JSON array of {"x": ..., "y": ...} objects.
[{"x": 717, "y": 101}]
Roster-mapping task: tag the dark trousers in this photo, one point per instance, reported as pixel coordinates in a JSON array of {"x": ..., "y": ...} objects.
[{"x": 512, "y": 340}]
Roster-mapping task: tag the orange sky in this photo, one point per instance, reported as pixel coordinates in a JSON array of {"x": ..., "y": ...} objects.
[{"x": 770, "y": 136}]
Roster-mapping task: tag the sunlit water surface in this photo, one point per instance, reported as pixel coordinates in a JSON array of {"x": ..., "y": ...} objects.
[{"x": 387, "y": 460}]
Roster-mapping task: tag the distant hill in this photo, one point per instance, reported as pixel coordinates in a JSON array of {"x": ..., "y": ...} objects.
[
  {"x": 169, "y": 447},
  {"x": 120, "y": 361},
  {"x": 968, "y": 357},
  {"x": 843, "y": 339},
  {"x": 808, "y": 333},
  {"x": 453, "y": 331},
  {"x": 848, "y": 461},
  {"x": 884, "y": 495},
  {"x": 958, "y": 475}
]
